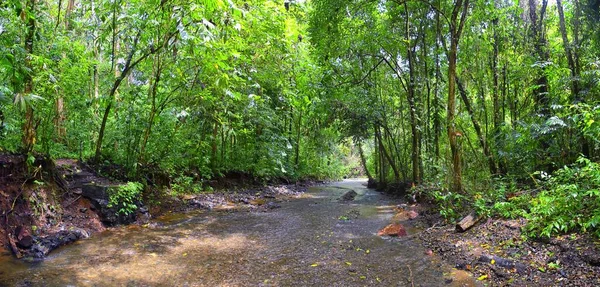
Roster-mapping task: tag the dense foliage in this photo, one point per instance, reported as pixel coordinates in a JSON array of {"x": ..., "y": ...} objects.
[
  {"x": 475, "y": 100},
  {"x": 196, "y": 89}
]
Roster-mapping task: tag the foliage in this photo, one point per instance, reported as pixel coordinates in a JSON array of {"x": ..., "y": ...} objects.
[
  {"x": 125, "y": 197},
  {"x": 570, "y": 203},
  {"x": 450, "y": 205},
  {"x": 186, "y": 185}
]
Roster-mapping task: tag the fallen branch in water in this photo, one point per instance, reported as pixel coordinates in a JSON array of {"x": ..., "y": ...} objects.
[{"x": 412, "y": 282}]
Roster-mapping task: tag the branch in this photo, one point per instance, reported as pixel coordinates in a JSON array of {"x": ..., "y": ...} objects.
[
  {"x": 463, "y": 17},
  {"x": 397, "y": 73},
  {"x": 401, "y": 2},
  {"x": 364, "y": 77}
]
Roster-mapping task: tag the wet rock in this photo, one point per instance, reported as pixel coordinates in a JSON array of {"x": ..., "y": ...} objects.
[
  {"x": 43, "y": 246},
  {"x": 394, "y": 229},
  {"x": 349, "y": 196},
  {"x": 372, "y": 183},
  {"x": 272, "y": 205},
  {"x": 24, "y": 238},
  {"x": 95, "y": 191},
  {"x": 412, "y": 214}
]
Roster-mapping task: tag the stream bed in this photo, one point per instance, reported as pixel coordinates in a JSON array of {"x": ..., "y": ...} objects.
[{"x": 312, "y": 240}]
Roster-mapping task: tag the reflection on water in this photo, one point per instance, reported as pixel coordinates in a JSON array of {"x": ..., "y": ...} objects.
[{"x": 304, "y": 243}]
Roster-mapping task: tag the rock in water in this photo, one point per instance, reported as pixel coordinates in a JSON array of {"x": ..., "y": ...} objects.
[
  {"x": 395, "y": 229},
  {"x": 272, "y": 205},
  {"x": 349, "y": 196}
]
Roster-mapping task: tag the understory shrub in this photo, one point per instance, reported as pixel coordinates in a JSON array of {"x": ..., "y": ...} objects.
[
  {"x": 571, "y": 202},
  {"x": 125, "y": 197}
]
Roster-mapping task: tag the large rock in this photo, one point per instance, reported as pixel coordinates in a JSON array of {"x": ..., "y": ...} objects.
[
  {"x": 349, "y": 196},
  {"x": 96, "y": 191},
  {"x": 43, "y": 246},
  {"x": 394, "y": 229}
]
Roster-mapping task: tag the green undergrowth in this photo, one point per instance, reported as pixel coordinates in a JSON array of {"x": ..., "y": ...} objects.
[
  {"x": 125, "y": 197},
  {"x": 565, "y": 201}
]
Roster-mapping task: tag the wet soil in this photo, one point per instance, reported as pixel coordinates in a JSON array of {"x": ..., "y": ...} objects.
[
  {"x": 495, "y": 251},
  {"x": 309, "y": 239}
]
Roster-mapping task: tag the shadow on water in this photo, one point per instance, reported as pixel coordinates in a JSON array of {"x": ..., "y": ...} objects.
[{"x": 314, "y": 240}]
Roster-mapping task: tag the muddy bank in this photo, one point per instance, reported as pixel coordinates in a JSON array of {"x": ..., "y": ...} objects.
[{"x": 37, "y": 213}]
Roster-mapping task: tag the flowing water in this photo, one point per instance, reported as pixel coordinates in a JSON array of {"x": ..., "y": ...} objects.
[{"x": 314, "y": 240}]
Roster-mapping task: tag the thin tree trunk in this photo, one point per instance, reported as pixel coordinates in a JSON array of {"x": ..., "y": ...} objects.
[
  {"x": 414, "y": 125},
  {"x": 568, "y": 52},
  {"x": 387, "y": 155},
  {"x": 28, "y": 137},
  {"x": 298, "y": 138},
  {"x": 129, "y": 65},
  {"x": 363, "y": 160},
  {"x": 480, "y": 134},
  {"x": 541, "y": 90},
  {"x": 155, "y": 79},
  {"x": 456, "y": 26}
]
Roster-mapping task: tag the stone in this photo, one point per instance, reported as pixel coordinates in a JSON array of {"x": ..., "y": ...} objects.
[
  {"x": 43, "y": 246},
  {"x": 94, "y": 191},
  {"x": 394, "y": 229},
  {"x": 272, "y": 205},
  {"x": 349, "y": 196},
  {"x": 258, "y": 201}
]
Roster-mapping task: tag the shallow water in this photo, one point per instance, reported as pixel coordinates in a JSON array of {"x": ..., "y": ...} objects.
[{"x": 303, "y": 243}]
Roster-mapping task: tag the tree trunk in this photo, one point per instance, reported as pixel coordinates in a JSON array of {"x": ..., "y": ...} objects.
[
  {"x": 363, "y": 160},
  {"x": 154, "y": 80},
  {"x": 298, "y": 138},
  {"x": 387, "y": 156},
  {"x": 414, "y": 122},
  {"x": 480, "y": 134},
  {"x": 28, "y": 137},
  {"x": 568, "y": 52},
  {"x": 456, "y": 25},
  {"x": 540, "y": 92}
]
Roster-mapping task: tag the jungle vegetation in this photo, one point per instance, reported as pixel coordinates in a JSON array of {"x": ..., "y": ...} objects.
[{"x": 488, "y": 105}]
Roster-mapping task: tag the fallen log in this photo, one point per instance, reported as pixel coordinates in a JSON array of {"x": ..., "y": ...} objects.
[{"x": 466, "y": 223}]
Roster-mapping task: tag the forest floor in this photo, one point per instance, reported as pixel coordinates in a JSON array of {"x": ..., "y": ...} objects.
[{"x": 495, "y": 251}]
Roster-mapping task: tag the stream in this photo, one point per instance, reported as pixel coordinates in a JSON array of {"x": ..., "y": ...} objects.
[{"x": 312, "y": 240}]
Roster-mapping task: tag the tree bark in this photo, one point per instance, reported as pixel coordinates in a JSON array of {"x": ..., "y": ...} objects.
[
  {"x": 541, "y": 90},
  {"x": 480, "y": 134},
  {"x": 363, "y": 160},
  {"x": 387, "y": 156},
  {"x": 414, "y": 121},
  {"x": 456, "y": 25},
  {"x": 29, "y": 129},
  {"x": 568, "y": 52}
]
